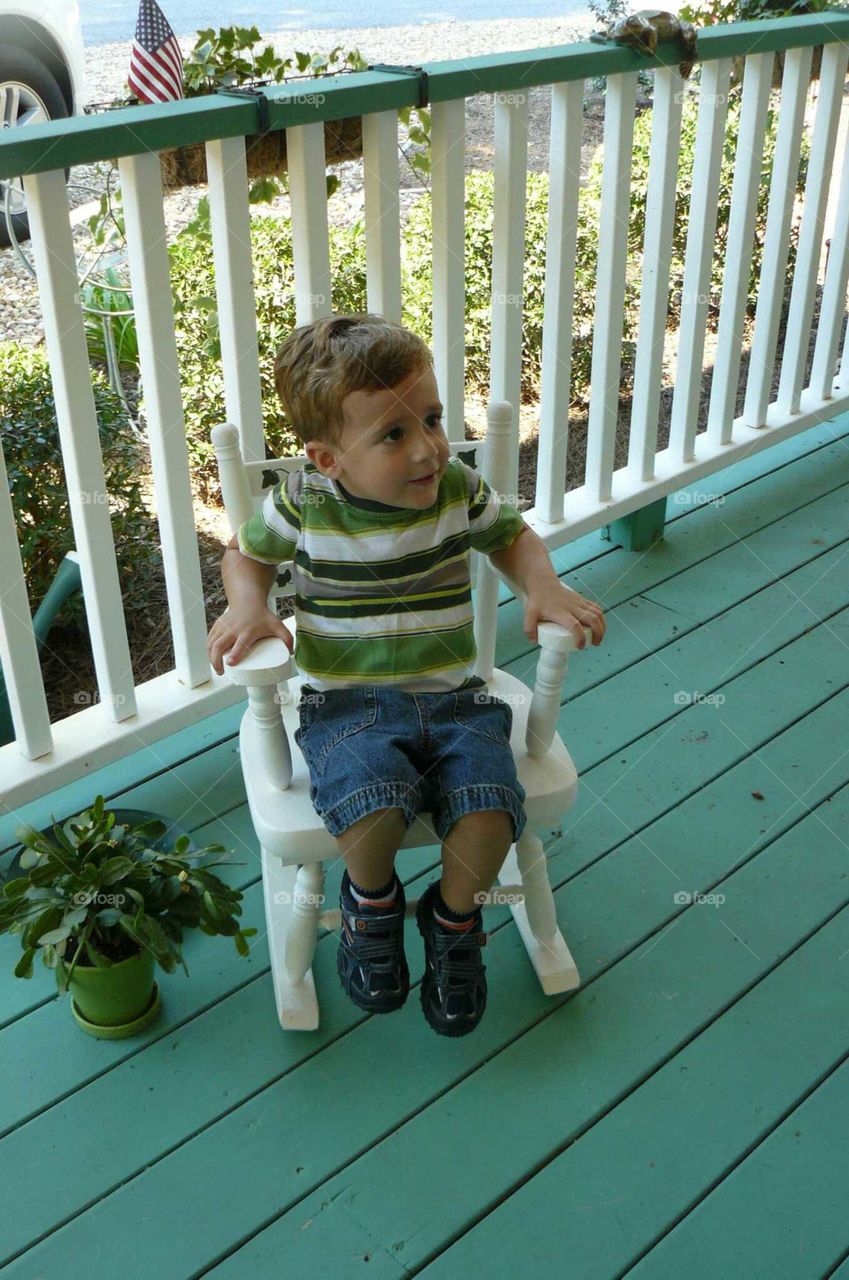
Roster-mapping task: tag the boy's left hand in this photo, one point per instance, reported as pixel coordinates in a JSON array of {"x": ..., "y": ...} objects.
[{"x": 556, "y": 603}]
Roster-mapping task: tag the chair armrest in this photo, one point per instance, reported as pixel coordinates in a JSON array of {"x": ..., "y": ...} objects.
[
  {"x": 269, "y": 662},
  {"x": 555, "y": 642}
]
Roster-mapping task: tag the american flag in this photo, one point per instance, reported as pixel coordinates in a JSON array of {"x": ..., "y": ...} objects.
[{"x": 156, "y": 64}]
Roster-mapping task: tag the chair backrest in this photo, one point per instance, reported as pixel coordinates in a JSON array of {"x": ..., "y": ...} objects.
[{"x": 245, "y": 484}]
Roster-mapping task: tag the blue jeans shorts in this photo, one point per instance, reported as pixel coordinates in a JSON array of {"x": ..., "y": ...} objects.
[{"x": 377, "y": 747}]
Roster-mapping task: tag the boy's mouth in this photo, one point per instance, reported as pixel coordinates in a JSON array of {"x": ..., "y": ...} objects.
[{"x": 424, "y": 479}]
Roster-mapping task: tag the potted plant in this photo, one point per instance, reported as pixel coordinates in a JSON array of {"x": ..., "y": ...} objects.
[{"x": 103, "y": 900}]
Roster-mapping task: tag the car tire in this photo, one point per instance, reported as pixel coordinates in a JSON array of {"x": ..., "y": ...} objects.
[{"x": 19, "y": 66}]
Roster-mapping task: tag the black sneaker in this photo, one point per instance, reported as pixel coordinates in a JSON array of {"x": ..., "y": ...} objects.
[
  {"x": 453, "y": 992},
  {"x": 370, "y": 961}
]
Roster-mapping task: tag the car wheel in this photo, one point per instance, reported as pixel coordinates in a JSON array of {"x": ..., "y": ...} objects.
[{"x": 29, "y": 94}]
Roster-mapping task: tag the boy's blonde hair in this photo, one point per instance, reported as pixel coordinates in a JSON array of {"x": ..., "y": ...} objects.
[{"x": 320, "y": 363}]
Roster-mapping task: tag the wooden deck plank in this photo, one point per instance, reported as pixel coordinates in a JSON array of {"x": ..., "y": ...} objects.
[
  {"x": 782, "y": 1213},
  {"x": 700, "y": 651},
  {"x": 253, "y": 1129},
  {"x": 177, "y": 792},
  {"x": 153, "y": 761},
  {"x": 598, "y": 829},
  {"x": 605, "y": 1038},
  {"x": 624, "y": 1182}
]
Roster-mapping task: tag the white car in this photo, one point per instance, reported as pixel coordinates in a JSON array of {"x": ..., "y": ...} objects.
[{"x": 42, "y": 77}]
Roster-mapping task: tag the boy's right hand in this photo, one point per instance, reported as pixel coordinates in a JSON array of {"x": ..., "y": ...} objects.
[{"x": 236, "y": 632}]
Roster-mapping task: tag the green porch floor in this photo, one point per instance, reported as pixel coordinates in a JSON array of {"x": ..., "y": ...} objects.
[{"x": 684, "y": 1113}]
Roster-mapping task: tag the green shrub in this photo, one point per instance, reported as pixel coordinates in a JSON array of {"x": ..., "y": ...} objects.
[
  {"x": 196, "y": 326},
  {"x": 194, "y": 286},
  {"x": 33, "y": 461}
]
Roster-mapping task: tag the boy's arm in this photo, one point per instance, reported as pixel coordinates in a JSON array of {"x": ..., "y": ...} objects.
[
  {"x": 248, "y": 618},
  {"x": 528, "y": 563}
]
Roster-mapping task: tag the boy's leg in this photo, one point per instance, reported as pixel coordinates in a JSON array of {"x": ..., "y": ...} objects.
[
  {"x": 473, "y": 853},
  {"x": 370, "y": 845}
]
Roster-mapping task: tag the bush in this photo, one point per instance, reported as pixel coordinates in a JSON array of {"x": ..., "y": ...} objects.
[
  {"x": 196, "y": 326},
  {"x": 39, "y": 495},
  {"x": 194, "y": 286}
]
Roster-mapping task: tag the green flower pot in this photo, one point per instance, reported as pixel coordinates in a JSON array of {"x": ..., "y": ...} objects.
[{"x": 118, "y": 1001}]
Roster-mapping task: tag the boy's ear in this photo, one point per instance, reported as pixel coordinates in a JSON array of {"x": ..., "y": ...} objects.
[{"x": 323, "y": 456}]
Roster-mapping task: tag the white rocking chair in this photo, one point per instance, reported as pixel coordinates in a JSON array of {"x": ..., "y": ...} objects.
[{"x": 293, "y": 838}]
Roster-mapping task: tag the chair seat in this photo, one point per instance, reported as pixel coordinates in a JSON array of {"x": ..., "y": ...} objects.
[{"x": 286, "y": 822}]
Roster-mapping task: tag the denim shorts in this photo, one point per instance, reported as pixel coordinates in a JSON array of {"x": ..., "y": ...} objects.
[{"x": 377, "y": 747}]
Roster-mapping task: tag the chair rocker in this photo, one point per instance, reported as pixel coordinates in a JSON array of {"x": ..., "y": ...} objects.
[{"x": 292, "y": 837}]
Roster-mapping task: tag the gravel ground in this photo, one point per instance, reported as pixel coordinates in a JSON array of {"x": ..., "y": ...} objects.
[{"x": 106, "y": 65}]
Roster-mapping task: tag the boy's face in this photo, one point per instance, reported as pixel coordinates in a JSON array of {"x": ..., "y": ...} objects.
[{"x": 390, "y": 440}]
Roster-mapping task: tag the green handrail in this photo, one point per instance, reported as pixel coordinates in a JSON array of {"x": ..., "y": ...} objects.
[
  {"x": 133, "y": 130},
  {"x": 65, "y": 582}
]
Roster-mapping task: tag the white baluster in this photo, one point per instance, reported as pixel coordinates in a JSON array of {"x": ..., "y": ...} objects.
[
  {"x": 738, "y": 257},
  {"x": 147, "y": 250},
  {"x": 834, "y": 294},
  {"x": 610, "y": 290},
  {"x": 701, "y": 234},
  {"x": 448, "y": 177},
  {"x": 797, "y": 336},
  {"x": 508, "y": 262},
  {"x": 657, "y": 254},
  {"x": 310, "y": 245},
  {"x": 382, "y": 214},
  {"x": 230, "y": 217},
  {"x": 782, "y": 193},
  {"x": 561, "y": 241},
  {"x": 58, "y": 287},
  {"x": 18, "y": 651}
]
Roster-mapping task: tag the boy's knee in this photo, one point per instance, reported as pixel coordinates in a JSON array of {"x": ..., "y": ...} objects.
[{"x": 494, "y": 823}]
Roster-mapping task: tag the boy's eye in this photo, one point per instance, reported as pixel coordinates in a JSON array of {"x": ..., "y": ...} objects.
[{"x": 434, "y": 421}]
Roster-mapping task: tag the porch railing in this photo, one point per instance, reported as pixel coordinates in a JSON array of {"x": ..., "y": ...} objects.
[{"x": 46, "y": 756}]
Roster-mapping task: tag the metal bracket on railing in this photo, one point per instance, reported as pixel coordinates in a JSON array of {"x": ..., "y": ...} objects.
[
  {"x": 261, "y": 101},
  {"x": 418, "y": 72}
]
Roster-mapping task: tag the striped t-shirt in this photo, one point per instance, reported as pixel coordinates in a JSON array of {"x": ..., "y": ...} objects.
[{"x": 382, "y": 594}]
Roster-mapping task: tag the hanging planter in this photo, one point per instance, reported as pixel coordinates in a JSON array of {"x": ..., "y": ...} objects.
[{"x": 266, "y": 153}]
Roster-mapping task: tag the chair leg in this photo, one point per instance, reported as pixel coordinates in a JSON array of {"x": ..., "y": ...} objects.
[
  {"x": 292, "y": 907},
  {"x": 536, "y": 917}
]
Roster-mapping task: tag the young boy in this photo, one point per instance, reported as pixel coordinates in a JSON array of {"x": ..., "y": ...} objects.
[{"x": 379, "y": 524}]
